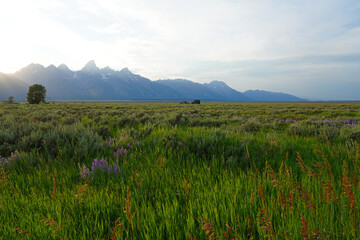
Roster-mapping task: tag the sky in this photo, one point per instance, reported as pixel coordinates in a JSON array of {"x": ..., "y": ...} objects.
[{"x": 309, "y": 48}]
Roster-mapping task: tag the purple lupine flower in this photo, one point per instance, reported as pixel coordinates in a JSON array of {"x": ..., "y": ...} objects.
[
  {"x": 120, "y": 152},
  {"x": 104, "y": 165},
  {"x": 3, "y": 160},
  {"x": 101, "y": 165},
  {"x": 116, "y": 168},
  {"x": 346, "y": 122},
  {"x": 84, "y": 171},
  {"x": 110, "y": 142},
  {"x": 254, "y": 119},
  {"x": 13, "y": 157},
  {"x": 280, "y": 120},
  {"x": 95, "y": 164}
]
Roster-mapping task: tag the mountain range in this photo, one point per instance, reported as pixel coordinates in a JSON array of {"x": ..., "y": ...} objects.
[{"x": 93, "y": 83}]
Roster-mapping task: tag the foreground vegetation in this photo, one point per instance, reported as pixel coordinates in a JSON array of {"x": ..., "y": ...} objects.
[{"x": 169, "y": 171}]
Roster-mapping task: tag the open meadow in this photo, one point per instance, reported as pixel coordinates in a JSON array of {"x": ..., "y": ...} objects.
[{"x": 171, "y": 171}]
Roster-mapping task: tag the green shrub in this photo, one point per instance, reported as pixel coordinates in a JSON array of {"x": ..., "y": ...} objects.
[
  {"x": 350, "y": 133},
  {"x": 251, "y": 126}
]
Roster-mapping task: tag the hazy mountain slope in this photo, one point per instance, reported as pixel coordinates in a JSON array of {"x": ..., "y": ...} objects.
[
  {"x": 191, "y": 90},
  {"x": 267, "y": 96},
  {"x": 11, "y": 86},
  {"x": 227, "y": 92},
  {"x": 138, "y": 87}
]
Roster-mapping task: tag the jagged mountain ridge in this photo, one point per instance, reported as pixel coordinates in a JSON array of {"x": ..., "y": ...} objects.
[{"x": 94, "y": 83}]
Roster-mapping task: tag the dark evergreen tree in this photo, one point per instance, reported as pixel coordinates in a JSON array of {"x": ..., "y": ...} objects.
[{"x": 36, "y": 94}]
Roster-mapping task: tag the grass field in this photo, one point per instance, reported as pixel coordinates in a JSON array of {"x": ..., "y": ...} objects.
[{"x": 170, "y": 171}]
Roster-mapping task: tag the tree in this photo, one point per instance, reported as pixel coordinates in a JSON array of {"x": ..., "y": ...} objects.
[
  {"x": 11, "y": 99},
  {"x": 36, "y": 94}
]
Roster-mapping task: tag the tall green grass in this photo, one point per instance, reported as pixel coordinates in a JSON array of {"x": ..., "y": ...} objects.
[{"x": 232, "y": 171}]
